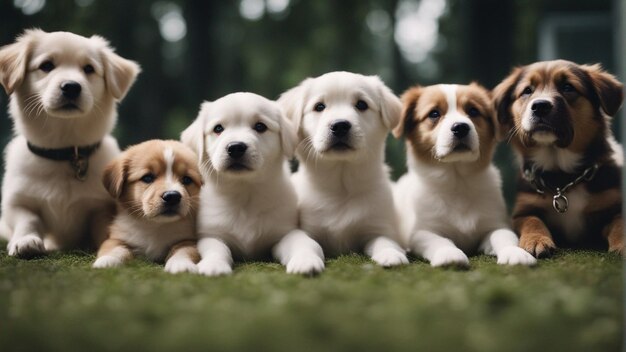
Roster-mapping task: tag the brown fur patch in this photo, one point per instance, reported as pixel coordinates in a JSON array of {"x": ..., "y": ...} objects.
[
  {"x": 615, "y": 235},
  {"x": 108, "y": 247},
  {"x": 535, "y": 237},
  {"x": 187, "y": 248}
]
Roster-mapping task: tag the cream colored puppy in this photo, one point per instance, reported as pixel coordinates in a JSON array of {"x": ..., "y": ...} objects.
[
  {"x": 343, "y": 185},
  {"x": 156, "y": 185},
  {"x": 63, "y": 90},
  {"x": 248, "y": 205}
]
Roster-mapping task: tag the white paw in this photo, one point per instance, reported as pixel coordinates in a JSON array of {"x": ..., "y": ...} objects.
[
  {"x": 180, "y": 265},
  {"x": 107, "y": 261},
  {"x": 214, "y": 267},
  {"x": 515, "y": 256},
  {"x": 389, "y": 257},
  {"x": 26, "y": 246},
  {"x": 305, "y": 264},
  {"x": 449, "y": 256}
]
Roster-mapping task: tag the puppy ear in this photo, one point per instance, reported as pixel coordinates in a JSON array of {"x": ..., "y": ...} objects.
[
  {"x": 502, "y": 97},
  {"x": 119, "y": 73},
  {"x": 607, "y": 87},
  {"x": 193, "y": 136},
  {"x": 114, "y": 177},
  {"x": 288, "y": 136},
  {"x": 292, "y": 103},
  {"x": 407, "y": 116},
  {"x": 390, "y": 106},
  {"x": 14, "y": 59}
]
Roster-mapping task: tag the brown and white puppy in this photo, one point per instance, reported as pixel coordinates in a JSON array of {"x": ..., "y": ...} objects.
[
  {"x": 64, "y": 89},
  {"x": 156, "y": 185},
  {"x": 559, "y": 114},
  {"x": 450, "y": 202}
]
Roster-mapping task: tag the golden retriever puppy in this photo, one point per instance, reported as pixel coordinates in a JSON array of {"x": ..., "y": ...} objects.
[
  {"x": 248, "y": 205},
  {"x": 156, "y": 185},
  {"x": 559, "y": 116},
  {"x": 63, "y": 90},
  {"x": 450, "y": 202},
  {"x": 343, "y": 186}
]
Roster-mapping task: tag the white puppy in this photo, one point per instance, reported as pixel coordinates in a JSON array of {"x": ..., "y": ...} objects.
[
  {"x": 64, "y": 90},
  {"x": 343, "y": 186},
  {"x": 248, "y": 207},
  {"x": 450, "y": 202}
]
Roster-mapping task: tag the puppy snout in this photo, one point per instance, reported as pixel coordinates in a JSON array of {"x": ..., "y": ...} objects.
[
  {"x": 460, "y": 130},
  {"x": 70, "y": 89},
  {"x": 171, "y": 198},
  {"x": 541, "y": 108},
  {"x": 236, "y": 149},
  {"x": 340, "y": 128}
]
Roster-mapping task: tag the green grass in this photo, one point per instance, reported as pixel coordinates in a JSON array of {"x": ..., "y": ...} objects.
[{"x": 571, "y": 302}]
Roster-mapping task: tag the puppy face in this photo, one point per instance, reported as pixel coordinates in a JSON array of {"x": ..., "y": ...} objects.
[
  {"x": 240, "y": 135},
  {"x": 64, "y": 75},
  {"x": 557, "y": 103},
  {"x": 341, "y": 115},
  {"x": 155, "y": 180},
  {"x": 449, "y": 123}
]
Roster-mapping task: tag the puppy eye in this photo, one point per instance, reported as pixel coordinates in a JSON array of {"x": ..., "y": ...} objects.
[
  {"x": 361, "y": 105},
  {"x": 527, "y": 91},
  {"x": 260, "y": 127},
  {"x": 319, "y": 107},
  {"x": 473, "y": 112},
  {"x": 148, "y": 178},
  {"x": 434, "y": 114},
  {"x": 186, "y": 180},
  {"x": 568, "y": 88},
  {"x": 46, "y": 66},
  {"x": 218, "y": 129},
  {"x": 88, "y": 69}
]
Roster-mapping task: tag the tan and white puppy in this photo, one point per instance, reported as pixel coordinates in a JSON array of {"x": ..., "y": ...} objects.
[
  {"x": 450, "y": 201},
  {"x": 156, "y": 185},
  {"x": 248, "y": 205},
  {"x": 64, "y": 89},
  {"x": 343, "y": 185}
]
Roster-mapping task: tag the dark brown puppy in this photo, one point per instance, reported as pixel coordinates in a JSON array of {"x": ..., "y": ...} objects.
[{"x": 558, "y": 115}]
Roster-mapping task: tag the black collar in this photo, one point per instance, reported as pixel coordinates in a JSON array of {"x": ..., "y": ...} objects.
[{"x": 77, "y": 156}]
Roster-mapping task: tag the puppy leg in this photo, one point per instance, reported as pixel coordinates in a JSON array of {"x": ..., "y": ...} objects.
[
  {"x": 503, "y": 243},
  {"x": 614, "y": 233},
  {"x": 534, "y": 236},
  {"x": 299, "y": 253},
  {"x": 386, "y": 252},
  {"x": 26, "y": 240},
  {"x": 112, "y": 253},
  {"x": 100, "y": 222},
  {"x": 438, "y": 250},
  {"x": 182, "y": 258},
  {"x": 216, "y": 257}
]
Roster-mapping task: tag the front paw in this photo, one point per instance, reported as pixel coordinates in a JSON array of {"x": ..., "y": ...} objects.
[
  {"x": 538, "y": 245},
  {"x": 305, "y": 264},
  {"x": 515, "y": 256},
  {"x": 107, "y": 261},
  {"x": 26, "y": 246},
  {"x": 618, "y": 250},
  {"x": 181, "y": 265},
  {"x": 389, "y": 257},
  {"x": 450, "y": 256},
  {"x": 214, "y": 267}
]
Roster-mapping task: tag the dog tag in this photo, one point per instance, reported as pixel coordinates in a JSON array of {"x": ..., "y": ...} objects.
[
  {"x": 560, "y": 203},
  {"x": 80, "y": 165}
]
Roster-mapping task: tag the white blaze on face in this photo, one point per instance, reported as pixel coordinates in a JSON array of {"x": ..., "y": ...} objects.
[
  {"x": 445, "y": 138},
  {"x": 168, "y": 155}
]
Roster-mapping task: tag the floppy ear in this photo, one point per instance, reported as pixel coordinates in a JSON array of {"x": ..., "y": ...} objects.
[
  {"x": 14, "y": 60},
  {"x": 288, "y": 136},
  {"x": 119, "y": 73},
  {"x": 390, "y": 105},
  {"x": 502, "y": 96},
  {"x": 607, "y": 87},
  {"x": 407, "y": 115},
  {"x": 292, "y": 103},
  {"x": 193, "y": 136},
  {"x": 114, "y": 177}
]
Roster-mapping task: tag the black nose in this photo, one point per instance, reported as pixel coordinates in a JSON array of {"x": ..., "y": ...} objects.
[
  {"x": 541, "y": 108},
  {"x": 171, "y": 197},
  {"x": 236, "y": 149},
  {"x": 460, "y": 129},
  {"x": 340, "y": 127},
  {"x": 71, "y": 89}
]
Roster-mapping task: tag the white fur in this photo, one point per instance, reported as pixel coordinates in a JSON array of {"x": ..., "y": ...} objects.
[
  {"x": 445, "y": 138},
  {"x": 248, "y": 213},
  {"x": 345, "y": 197},
  {"x": 41, "y": 197}
]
